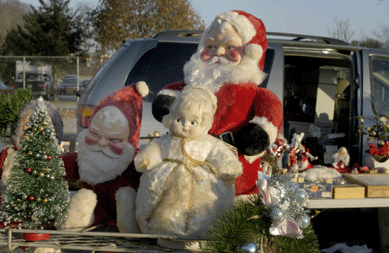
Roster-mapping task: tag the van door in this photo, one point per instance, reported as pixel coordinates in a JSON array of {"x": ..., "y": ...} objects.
[{"x": 374, "y": 94}]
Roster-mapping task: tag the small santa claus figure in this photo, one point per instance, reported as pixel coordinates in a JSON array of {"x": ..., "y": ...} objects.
[
  {"x": 104, "y": 163},
  {"x": 229, "y": 61},
  {"x": 302, "y": 159},
  {"x": 341, "y": 160}
]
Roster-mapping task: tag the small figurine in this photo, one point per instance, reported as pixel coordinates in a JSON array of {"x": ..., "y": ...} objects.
[
  {"x": 188, "y": 175},
  {"x": 341, "y": 160},
  {"x": 302, "y": 159}
]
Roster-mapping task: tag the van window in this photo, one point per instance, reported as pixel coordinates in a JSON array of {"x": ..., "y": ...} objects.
[{"x": 380, "y": 84}]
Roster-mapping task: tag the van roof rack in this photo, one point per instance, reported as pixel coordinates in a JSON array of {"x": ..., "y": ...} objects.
[
  {"x": 274, "y": 35},
  {"x": 308, "y": 38},
  {"x": 179, "y": 33}
]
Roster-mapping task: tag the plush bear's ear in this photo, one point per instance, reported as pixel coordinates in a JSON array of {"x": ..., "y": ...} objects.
[
  {"x": 251, "y": 140},
  {"x": 161, "y": 106}
]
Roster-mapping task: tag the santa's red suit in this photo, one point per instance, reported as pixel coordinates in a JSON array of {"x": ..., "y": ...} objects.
[
  {"x": 303, "y": 162},
  {"x": 105, "y": 210},
  {"x": 237, "y": 105}
]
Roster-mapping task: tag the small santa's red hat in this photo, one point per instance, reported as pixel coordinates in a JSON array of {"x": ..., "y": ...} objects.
[
  {"x": 251, "y": 30},
  {"x": 129, "y": 101}
]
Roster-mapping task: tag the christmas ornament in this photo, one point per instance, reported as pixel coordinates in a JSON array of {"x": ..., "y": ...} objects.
[
  {"x": 41, "y": 128},
  {"x": 276, "y": 214},
  {"x": 48, "y": 130},
  {"x": 286, "y": 204},
  {"x": 23, "y": 196},
  {"x": 29, "y": 153},
  {"x": 52, "y": 177},
  {"x": 303, "y": 220},
  {"x": 48, "y": 176},
  {"x": 41, "y": 175},
  {"x": 45, "y": 201},
  {"x": 34, "y": 172},
  {"x": 44, "y": 157},
  {"x": 31, "y": 198},
  {"x": 49, "y": 157},
  {"x": 28, "y": 170},
  {"x": 248, "y": 248},
  {"x": 38, "y": 199},
  {"x": 37, "y": 155}
]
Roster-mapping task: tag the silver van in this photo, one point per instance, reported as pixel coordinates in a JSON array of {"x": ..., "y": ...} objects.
[{"x": 324, "y": 83}]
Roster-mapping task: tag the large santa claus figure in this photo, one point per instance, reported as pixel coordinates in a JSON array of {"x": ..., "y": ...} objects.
[
  {"x": 229, "y": 61},
  {"x": 104, "y": 163}
]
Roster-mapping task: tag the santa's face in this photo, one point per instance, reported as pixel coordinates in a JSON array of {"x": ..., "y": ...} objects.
[
  {"x": 108, "y": 132},
  {"x": 187, "y": 123},
  {"x": 223, "y": 46}
]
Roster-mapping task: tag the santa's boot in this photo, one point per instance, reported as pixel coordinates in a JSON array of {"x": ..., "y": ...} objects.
[
  {"x": 80, "y": 211},
  {"x": 125, "y": 206}
]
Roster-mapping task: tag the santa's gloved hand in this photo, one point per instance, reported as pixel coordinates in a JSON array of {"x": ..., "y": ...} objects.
[
  {"x": 251, "y": 140},
  {"x": 161, "y": 106}
]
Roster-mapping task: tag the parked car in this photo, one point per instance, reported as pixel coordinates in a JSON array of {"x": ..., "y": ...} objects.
[
  {"x": 5, "y": 89},
  {"x": 41, "y": 84},
  {"x": 68, "y": 86},
  {"x": 324, "y": 83}
]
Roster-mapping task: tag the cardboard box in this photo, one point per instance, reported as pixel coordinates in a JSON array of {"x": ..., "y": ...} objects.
[
  {"x": 317, "y": 190},
  {"x": 376, "y": 185},
  {"x": 348, "y": 191}
]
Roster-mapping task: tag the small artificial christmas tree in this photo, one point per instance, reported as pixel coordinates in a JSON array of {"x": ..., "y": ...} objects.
[{"x": 36, "y": 195}]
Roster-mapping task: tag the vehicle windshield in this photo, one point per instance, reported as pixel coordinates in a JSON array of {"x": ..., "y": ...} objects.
[{"x": 35, "y": 77}]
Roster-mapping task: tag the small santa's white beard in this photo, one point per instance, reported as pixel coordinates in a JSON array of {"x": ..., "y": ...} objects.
[
  {"x": 97, "y": 167},
  {"x": 213, "y": 76}
]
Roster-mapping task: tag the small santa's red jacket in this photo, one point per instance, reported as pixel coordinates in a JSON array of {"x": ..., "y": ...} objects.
[
  {"x": 105, "y": 211},
  {"x": 237, "y": 105}
]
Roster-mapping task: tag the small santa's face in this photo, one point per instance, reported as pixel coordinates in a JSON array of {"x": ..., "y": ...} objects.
[
  {"x": 343, "y": 152},
  {"x": 223, "y": 46},
  {"x": 108, "y": 132},
  {"x": 187, "y": 123}
]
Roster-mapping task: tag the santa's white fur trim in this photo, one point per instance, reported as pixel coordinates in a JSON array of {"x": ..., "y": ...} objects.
[
  {"x": 142, "y": 88},
  {"x": 7, "y": 166},
  {"x": 269, "y": 128},
  {"x": 172, "y": 93},
  {"x": 80, "y": 211},
  {"x": 244, "y": 27},
  {"x": 125, "y": 206},
  {"x": 251, "y": 159}
]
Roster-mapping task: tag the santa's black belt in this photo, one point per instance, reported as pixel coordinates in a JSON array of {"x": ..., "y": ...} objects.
[{"x": 227, "y": 137}]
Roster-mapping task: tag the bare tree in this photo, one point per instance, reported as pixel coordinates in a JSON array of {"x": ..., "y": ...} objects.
[
  {"x": 11, "y": 15},
  {"x": 383, "y": 36},
  {"x": 341, "y": 30},
  {"x": 116, "y": 20}
]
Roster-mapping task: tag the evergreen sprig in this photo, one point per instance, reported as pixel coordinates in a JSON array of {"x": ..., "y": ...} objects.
[
  {"x": 10, "y": 105},
  {"x": 245, "y": 222}
]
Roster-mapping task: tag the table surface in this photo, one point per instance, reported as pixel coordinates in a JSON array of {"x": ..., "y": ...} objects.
[{"x": 347, "y": 203}]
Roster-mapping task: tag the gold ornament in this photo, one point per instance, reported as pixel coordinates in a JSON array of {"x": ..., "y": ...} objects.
[
  {"x": 41, "y": 174},
  {"x": 41, "y": 128},
  {"x": 45, "y": 200},
  {"x": 29, "y": 152}
]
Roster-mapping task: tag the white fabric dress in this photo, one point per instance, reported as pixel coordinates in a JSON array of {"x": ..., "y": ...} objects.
[{"x": 179, "y": 199}]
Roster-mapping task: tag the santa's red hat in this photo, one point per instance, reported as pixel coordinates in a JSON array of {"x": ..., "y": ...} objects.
[
  {"x": 251, "y": 30},
  {"x": 129, "y": 101}
]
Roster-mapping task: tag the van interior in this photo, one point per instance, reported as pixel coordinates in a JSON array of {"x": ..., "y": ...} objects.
[{"x": 317, "y": 98}]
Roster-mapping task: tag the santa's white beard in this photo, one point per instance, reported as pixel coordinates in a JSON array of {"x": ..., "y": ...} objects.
[
  {"x": 213, "y": 76},
  {"x": 97, "y": 167}
]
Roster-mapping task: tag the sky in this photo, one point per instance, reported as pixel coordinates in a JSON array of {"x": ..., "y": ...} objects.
[{"x": 312, "y": 17}]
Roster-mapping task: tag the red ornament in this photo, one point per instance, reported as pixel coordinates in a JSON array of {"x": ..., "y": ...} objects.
[
  {"x": 31, "y": 198},
  {"x": 28, "y": 170},
  {"x": 49, "y": 157}
]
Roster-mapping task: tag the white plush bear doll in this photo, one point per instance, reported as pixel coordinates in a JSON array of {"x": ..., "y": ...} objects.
[{"x": 188, "y": 175}]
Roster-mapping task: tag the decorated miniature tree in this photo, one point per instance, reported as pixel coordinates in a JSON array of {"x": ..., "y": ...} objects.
[{"x": 37, "y": 194}]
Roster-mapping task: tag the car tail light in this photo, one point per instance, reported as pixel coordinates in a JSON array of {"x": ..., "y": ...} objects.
[{"x": 84, "y": 114}]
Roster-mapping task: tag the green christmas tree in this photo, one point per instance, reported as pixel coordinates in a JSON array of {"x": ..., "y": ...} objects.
[{"x": 37, "y": 194}]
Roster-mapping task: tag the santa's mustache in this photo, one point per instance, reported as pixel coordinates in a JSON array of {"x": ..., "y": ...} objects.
[
  {"x": 219, "y": 59},
  {"x": 107, "y": 150}
]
